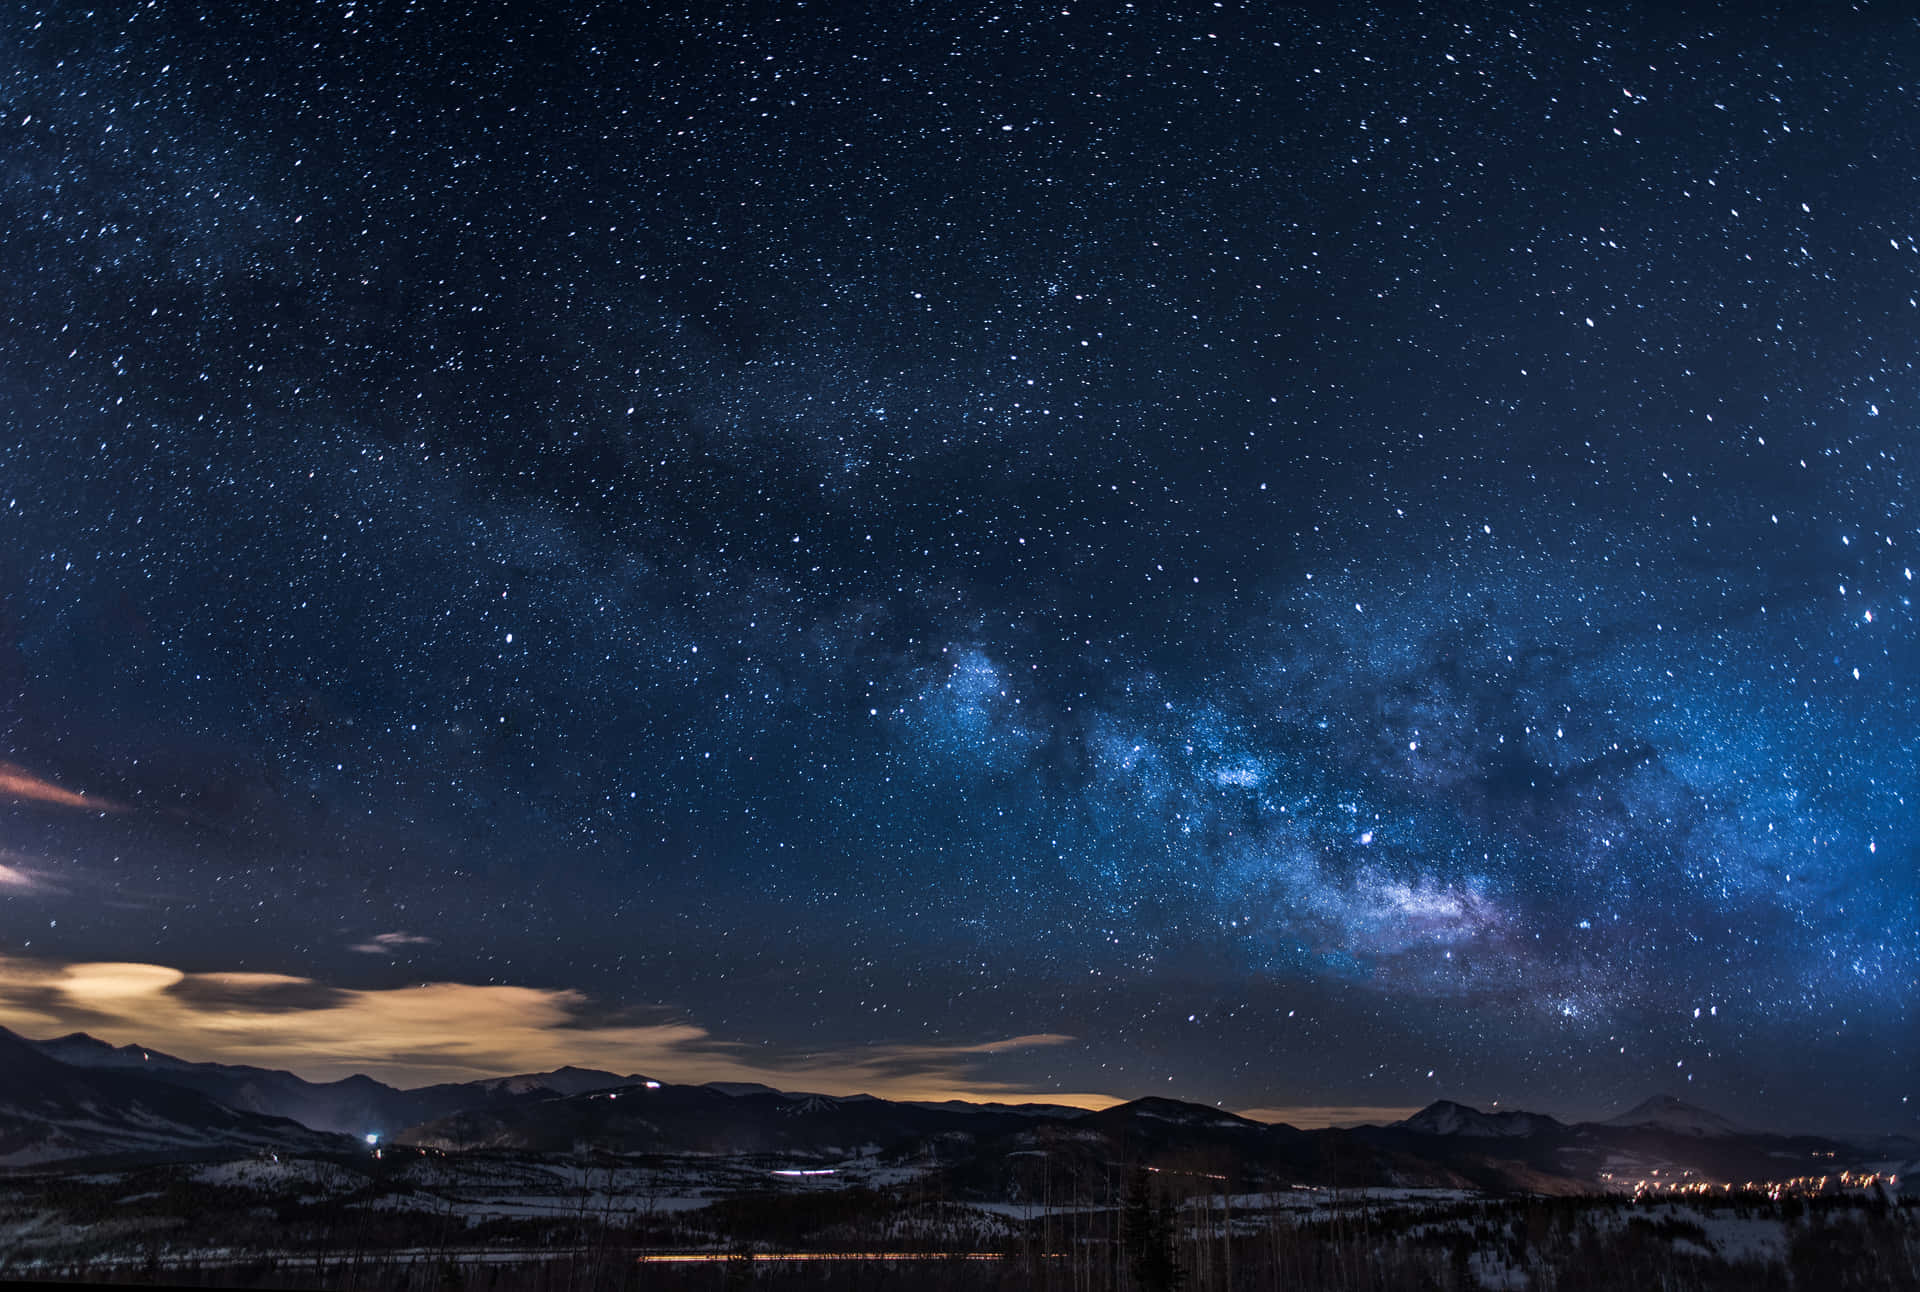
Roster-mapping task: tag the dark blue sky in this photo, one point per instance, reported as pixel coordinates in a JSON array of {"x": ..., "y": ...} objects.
[{"x": 1333, "y": 555}]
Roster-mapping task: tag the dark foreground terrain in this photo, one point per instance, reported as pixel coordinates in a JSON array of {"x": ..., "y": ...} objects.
[{"x": 415, "y": 1219}]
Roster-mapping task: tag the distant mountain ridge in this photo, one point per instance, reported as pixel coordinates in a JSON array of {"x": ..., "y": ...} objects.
[
  {"x": 1668, "y": 1113},
  {"x": 356, "y": 1105},
  {"x": 52, "y": 1111},
  {"x": 76, "y": 1096},
  {"x": 1659, "y": 1141},
  {"x": 359, "y": 1105},
  {"x": 1445, "y": 1117}
]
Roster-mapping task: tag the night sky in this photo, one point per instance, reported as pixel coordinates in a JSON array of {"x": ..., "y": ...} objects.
[{"x": 1312, "y": 558}]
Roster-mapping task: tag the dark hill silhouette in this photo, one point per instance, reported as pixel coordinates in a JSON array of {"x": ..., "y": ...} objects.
[
  {"x": 51, "y": 1111},
  {"x": 356, "y": 1105}
]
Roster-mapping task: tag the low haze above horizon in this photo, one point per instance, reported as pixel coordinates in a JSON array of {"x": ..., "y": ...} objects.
[{"x": 1308, "y": 559}]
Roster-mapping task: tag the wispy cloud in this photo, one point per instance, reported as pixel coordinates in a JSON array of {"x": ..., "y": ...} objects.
[
  {"x": 459, "y": 1031},
  {"x": 18, "y": 881},
  {"x": 16, "y": 782},
  {"x": 386, "y": 944},
  {"x": 19, "y": 876}
]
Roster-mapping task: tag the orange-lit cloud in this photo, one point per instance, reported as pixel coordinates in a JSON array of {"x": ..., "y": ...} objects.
[
  {"x": 19, "y": 875},
  {"x": 460, "y": 1031},
  {"x": 17, "y": 782},
  {"x": 1317, "y": 1116},
  {"x": 17, "y": 880}
]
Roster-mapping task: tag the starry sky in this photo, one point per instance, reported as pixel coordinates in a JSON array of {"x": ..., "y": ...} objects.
[{"x": 1311, "y": 557}]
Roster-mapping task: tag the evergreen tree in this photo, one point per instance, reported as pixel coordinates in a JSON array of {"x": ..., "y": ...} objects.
[{"x": 1147, "y": 1232}]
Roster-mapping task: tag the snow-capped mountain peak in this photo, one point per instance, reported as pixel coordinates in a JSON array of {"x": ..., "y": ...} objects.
[{"x": 1664, "y": 1112}]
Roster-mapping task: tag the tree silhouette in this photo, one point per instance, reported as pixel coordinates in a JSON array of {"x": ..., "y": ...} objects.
[{"x": 1148, "y": 1233}]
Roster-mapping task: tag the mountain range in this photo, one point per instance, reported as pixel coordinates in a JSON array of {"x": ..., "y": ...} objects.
[
  {"x": 355, "y": 1105},
  {"x": 50, "y": 1111},
  {"x": 76, "y": 1097}
]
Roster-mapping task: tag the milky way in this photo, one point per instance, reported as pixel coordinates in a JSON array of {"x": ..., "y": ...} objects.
[{"x": 1333, "y": 556}]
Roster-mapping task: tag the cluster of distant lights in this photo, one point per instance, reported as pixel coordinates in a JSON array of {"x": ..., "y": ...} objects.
[{"x": 1798, "y": 1186}]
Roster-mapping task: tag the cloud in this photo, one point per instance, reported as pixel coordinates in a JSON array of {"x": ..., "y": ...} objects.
[
  {"x": 448, "y": 1031},
  {"x": 98, "y": 985},
  {"x": 386, "y": 944},
  {"x": 18, "y": 880},
  {"x": 16, "y": 782}
]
